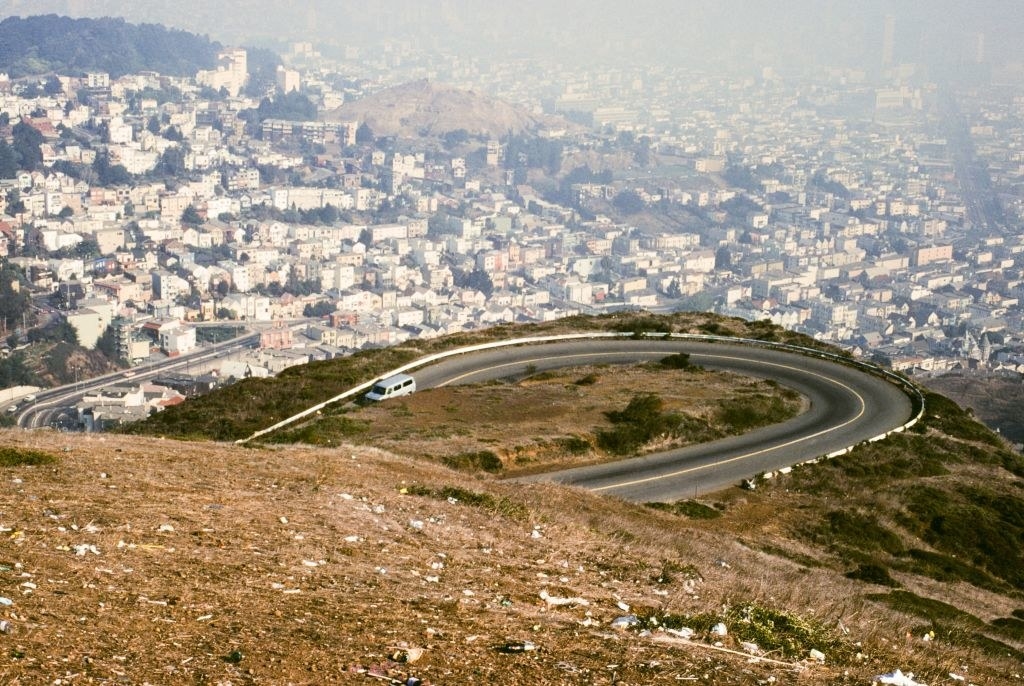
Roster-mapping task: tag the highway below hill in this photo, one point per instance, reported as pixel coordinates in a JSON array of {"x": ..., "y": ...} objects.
[
  {"x": 53, "y": 403},
  {"x": 846, "y": 407}
]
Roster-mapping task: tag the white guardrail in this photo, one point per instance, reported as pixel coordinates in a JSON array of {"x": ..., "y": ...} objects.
[{"x": 907, "y": 387}]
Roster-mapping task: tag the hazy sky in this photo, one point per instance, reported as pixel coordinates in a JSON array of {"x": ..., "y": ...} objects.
[{"x": 779, "y": 33}]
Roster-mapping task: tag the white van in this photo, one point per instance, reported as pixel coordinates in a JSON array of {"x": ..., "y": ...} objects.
[{"x": 392, "y": 387}]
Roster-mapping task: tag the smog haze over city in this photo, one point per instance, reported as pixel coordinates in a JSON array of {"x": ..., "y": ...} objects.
[
  {"x": 791, "y": 35},
  {"x": 581, "y": 342}
]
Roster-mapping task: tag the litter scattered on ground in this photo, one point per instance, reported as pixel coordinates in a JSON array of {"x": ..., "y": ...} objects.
[
  {"x": 517, "y": 647},
  {"x": 556, "y": 601},
  {"x": 684, "y": 632},
  {"x": 625, "y": 622},
  {"x": 749, "y": 647},
  {"x": 406, "y": 654},
  {"x": 898, "y": 678}
]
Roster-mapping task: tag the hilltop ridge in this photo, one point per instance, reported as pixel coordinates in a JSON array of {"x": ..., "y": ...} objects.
[
  {"x": 429, "y": 108},
  {"x": 137, "y": 557},
  {"x": 50, "y": 43}
]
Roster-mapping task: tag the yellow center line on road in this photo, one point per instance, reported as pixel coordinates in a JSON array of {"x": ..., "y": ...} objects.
[
  {"x": 538, "y": 359},
  {"x": 688, "y": 470}
]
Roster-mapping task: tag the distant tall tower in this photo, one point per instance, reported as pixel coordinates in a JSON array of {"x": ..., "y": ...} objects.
[{"x": 888, "y": 40}]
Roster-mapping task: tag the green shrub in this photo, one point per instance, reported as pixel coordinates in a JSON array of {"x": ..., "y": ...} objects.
[
  {"x": 848, "y": 529},
  {"x": 457, "y": 495},
  {"x": 752, "y": 411},
  {"x": 480, "y": 460},
  {"x": 949, "y": 623},
  {"x": 574, "y": 445},
  {"x": 773, "y": 631},
  {"x": 20, "y": 457},
  {"x": 977, "y": 525},
  {"x": 644, "y": 324},
  {"x": 1011, "y": 627},
  {"x": 873, "y": 574},
  {"x": 688, "y": 508},
  {"x": 935, "y": 611},
  {"x": 641, "y": 421},
  {"x": 946, "y": 416},
  {"x": 677, "y": 361}
]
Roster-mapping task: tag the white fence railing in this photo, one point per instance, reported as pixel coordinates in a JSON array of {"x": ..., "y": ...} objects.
[{"x": 909, "y": 388}]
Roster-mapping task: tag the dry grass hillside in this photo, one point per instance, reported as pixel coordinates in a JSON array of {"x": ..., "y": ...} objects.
[
  {"x": 140, "y": 560},
  {"x": 136, "y": 559},
  {"x": 995, "y": 399},
  {"x": 426, "y": 108}
]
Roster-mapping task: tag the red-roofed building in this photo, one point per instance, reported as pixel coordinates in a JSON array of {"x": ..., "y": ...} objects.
[{"x": 8, "y": 239}]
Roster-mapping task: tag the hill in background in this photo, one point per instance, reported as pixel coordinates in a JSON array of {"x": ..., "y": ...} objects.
[
  {"x": 425, "y": 108},
  {"x": 996, "y": 399},
  {"x": 46, "y": 44}
]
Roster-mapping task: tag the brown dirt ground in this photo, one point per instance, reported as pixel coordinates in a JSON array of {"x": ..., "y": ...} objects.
[
  {"x": 135, "y": 560},
  {"x": 522, "y": 422}
]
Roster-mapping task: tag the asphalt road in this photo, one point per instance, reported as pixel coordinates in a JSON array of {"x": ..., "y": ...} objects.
[
  {"x": 846, "y": 407},
  {"x": 51, "y": 403}
]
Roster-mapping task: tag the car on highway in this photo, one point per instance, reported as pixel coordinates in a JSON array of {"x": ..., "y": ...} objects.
[{"x": 12, "y": 409}]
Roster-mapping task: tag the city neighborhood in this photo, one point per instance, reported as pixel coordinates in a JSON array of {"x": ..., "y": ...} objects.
[{"x": 881, "y": 218}]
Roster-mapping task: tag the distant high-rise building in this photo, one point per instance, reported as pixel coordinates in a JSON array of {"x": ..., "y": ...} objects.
[
  {"x": 888, "y": 40},
  {"x": 288, "y": 80},
  {"x": 231, "y": 73},
  {"x": 493, "y": 153}
]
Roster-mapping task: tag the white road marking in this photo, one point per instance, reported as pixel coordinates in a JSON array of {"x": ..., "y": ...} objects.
[{"x": 688, "y": 470}]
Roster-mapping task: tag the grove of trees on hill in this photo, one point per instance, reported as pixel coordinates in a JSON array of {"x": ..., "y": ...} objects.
[{"x": 49, "y": 43}]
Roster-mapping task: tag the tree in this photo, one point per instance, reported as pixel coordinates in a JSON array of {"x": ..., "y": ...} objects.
[
  {"x": 191, "y": 216},
  {"x": 477, "y": 280},
  {"x": 628, "y": 202},
  {"x": 172, "y": 162},
  {"x": 107, "y": 344},
  {"x": 14, "y": 301},
  {"x": 27, "y": 146},
  {"x": 364, "y": 134},
  {"x": 53, "y": 86},
  {"x": 111, "y": 174},
  {"x": 173, "y": 133},
  {"x": 320, "y": 309},
  {"x": 15, "y": 205},
  {"x": 15, "y": 372},
  {"x": 8, "y": 161}
]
